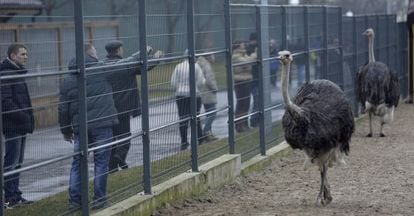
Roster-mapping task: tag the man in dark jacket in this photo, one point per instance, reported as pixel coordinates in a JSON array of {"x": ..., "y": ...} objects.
[
  {"x": 101, "y": 117},
  {"x": 18, "y": 120},
  {"x": 126, "y": 98}
]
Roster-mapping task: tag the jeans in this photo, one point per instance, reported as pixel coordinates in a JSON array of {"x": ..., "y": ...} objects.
[
  {"x": 97, "y": 137},
  {"x": 209, "y": 118},
  {"x": 242, "y": 90},
  {"x": 13, "y": 159}
]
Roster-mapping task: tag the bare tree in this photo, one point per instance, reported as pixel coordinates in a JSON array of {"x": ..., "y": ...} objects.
[
  {"x": 118, "y": 7},
  {"x": 50, "y": 5},
  {"x": 172, "y": 21}
]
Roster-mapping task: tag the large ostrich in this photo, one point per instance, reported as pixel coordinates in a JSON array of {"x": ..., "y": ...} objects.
[
  {"x": 377, "y": 88},
  {"x": 319, "y": 121}
]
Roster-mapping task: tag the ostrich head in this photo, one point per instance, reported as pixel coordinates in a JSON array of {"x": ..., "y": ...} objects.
[
  {"x": 286, "y": 59},
  {"x": 370, "y": 34}
]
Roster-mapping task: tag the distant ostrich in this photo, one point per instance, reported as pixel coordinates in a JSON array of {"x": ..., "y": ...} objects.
[
  {"x": 377, "y": 88},
  {"x": 319, "y": 121}
]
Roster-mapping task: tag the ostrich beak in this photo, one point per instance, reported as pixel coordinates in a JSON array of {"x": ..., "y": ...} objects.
[
  {"x": 365, "y": 33},
  {"x": 368, "y": 32},
  {"x": 285, "y": 55}
]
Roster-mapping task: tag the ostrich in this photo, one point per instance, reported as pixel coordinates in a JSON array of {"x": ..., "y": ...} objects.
[
  {"x": 377, "y": 88},
  {"x": 319, "y": 121}
]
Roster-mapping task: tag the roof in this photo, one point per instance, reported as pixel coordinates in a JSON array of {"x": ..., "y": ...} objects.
[
  {"x": 20, "y": 4},
  {"x": 10, "y": 8}
]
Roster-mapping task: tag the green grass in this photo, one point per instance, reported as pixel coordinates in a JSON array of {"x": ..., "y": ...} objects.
[{"x": 128, "y": 182}]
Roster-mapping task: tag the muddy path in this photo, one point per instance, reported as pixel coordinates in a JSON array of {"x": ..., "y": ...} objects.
[{"x": 378, "y": 180}]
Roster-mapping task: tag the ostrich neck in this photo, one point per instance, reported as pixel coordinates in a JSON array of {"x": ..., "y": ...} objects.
[
  {"x": 285, "y": 88},
  {"x": 371, "y": 49}
]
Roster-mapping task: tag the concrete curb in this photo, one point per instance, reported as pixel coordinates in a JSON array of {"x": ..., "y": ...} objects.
[
  {"x": 258, "y": 162},
  {"x": 213, "y": 174}
]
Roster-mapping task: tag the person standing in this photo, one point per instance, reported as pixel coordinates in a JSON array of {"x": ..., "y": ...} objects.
[
  {"x": 208, "y": 94},
  {"x": 180, "y": 80},
  {"x": 126, "y": 97},
  {"x": 18, "y": 120},
  {"x": 242, "y": 83},
  {"x": 274, "y": 64},
  {"x": 250, "y": 49},
  {"x": 101, "y": 117}
]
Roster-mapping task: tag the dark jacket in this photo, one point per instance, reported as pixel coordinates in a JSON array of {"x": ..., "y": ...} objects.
[
  {"x": 124, "y": 83},
  {"x": 16, "y": 104},
  {"x": 410, "y": 14},
  {"x": 251, "y": 48},
  {"x": 101, "y": 111}
]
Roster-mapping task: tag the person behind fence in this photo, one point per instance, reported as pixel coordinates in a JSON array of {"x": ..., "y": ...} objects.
[
  {"x": 208, "y": 93},
  {"x": 181, "y": 83},
  {"x": 126, "y": 98},
  {"x": 242, "y": 76},
  {"x": 18, "y": 120},
  {"x": 101, "y": 117},
  {"x": 250, "y": 49},
  {"x": 274, "y": 64}
]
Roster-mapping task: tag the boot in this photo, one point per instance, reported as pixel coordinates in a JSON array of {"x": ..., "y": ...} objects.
[
  {"x": 184, "y": 146},
  {"x": 210, "y": 137}
]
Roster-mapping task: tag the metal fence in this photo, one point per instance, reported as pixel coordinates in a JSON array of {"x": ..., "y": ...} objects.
[{"x": 247, "y": 113}]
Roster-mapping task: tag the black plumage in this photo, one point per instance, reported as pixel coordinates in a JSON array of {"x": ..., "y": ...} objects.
[
  {"x": 327, "y": 119},
  {"x": 319, "y": 121},
  {"x": 377, "y": 87}
]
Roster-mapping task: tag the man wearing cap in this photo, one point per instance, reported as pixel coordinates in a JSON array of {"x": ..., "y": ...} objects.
[{"x": 126, "y": 97}]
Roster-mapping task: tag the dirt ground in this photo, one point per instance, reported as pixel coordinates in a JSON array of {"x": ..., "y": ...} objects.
[{"x": 378, "y": 180}]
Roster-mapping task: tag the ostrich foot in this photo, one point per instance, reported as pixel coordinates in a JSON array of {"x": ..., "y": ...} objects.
[
  {"x": 369, "y": 135},
  {"x": 324, "y": 199},
  {"x": 382, "y": 135}
]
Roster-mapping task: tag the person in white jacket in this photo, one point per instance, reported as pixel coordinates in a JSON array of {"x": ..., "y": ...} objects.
[{"x": 180, "y": 80}]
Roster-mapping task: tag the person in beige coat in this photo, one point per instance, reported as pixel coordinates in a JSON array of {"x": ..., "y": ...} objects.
[
  {"x": 208, "y": 93},
  {"x": 242, "y": 76}
]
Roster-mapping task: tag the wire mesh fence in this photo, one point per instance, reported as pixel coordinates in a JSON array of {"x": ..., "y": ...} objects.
[{"x": 161, "y": 87}]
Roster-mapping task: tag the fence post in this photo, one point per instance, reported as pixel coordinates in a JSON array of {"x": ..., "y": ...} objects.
[
  {"x": 1, "y": 157},
  {"x": 262, "y": 141},
  {"x": 284, "y": 28},
  {"x": 83, "y": 133},
  {"x": 377, "y": 41},
  {"x": 193, "y": 96},
  {"x": 341, "y": 50},
  {"x": 307, "y": 46},
  {"x": 144, "y": 89},
  {"x": 325, "y": 42},
  {"x": 229, "y": 74},
  {"x": 355, "y": 51}
]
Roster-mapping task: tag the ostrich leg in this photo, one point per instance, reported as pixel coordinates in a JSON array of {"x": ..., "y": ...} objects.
[
  {"x": 381, "y": 129},
  {"x": 327, "y": 198},
  {"x": 370, "y": 124},
  {"x": 320, "y": 195},
  {"x": 324, "y": 193}
]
